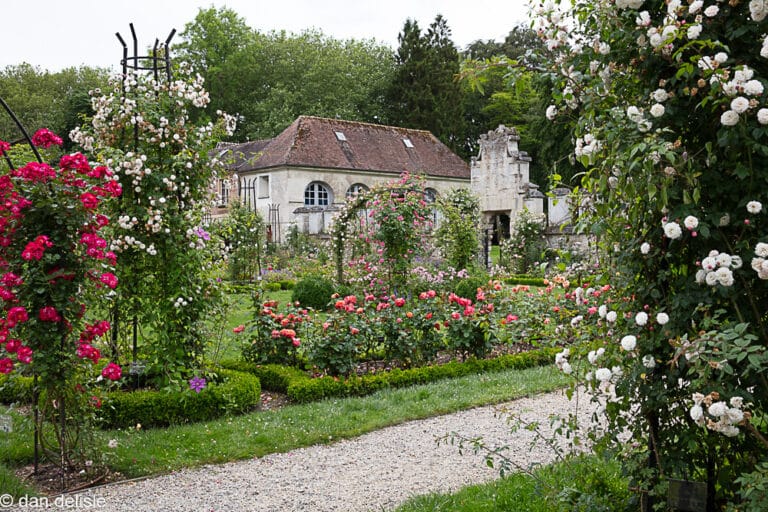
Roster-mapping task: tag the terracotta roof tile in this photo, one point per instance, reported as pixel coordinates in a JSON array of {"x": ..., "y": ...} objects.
[{"x": 312, "y": 142}]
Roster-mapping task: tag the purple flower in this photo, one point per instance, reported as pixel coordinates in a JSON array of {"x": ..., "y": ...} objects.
[
  {"x": 196, "y": 384},
  {"x": 201, "y": 233}
]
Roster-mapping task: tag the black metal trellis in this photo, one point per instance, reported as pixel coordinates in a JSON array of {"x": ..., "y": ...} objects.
[
  {"x": 153, "y": 62},
  {"x": 146, "y": 62}
]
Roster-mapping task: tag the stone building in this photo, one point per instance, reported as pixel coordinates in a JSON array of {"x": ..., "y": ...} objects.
[
  {"x": 500, "y": 178},
  {"x": 302, "y": 176}
]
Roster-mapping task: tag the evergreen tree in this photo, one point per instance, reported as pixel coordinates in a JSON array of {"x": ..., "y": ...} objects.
[{"x": 424, "y": 93}]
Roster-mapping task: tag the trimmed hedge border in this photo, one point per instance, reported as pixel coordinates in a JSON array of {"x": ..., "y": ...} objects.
[
  {"x": 301, "y": 388},
  {"x": 525, "y": 280},
  {"x": 240, "y": 392},
  {"x": 16, "y": 389}
]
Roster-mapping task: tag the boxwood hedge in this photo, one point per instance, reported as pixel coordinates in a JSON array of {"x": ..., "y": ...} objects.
[
  {"x": 301, "y": 388},
  {"x": 238, "y": 392}
]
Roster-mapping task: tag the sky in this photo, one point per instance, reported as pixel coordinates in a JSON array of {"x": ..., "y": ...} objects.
[{"x": 56, "y": 34}]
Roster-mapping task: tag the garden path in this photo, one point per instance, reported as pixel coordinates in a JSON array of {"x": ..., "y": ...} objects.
[{"x": 373, "y": 472}]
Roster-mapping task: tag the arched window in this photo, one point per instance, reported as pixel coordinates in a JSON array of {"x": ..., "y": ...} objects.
[
  {"x": 354, "y": 190},
  {"x": 317, "y": 194},
  {"x": 430, "y": 195}
]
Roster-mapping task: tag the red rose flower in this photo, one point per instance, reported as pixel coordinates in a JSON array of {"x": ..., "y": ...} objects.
[
  {"x": 45, "y": 138},
  {"x": 89, "y": 200},
  {"x": 16, "y": 315},
  {"x": 24, "y": 354},
  {"x": 49, "y": 314},
  {"x": 6, "y": 365},
  {"x": 238, "y": 329},
  {"x": 112, "y": 372},
  {"x": 109, "y": 279}
]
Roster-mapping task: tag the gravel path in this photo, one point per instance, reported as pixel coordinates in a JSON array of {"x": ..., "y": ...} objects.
[{"x": 373, "y": 472}]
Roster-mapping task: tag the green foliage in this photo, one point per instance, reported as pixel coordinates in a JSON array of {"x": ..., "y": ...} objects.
[
  {"x": 165, "y": 166},
  {"x": 16, "y": 388},
  {"x": 584, "y": 483},
  {"x": 457, "y": 234},
  {"x": 233, "y": 393},
  {"x": 307, "y": 389},
  {"x": 278, "y": 76},
  {"x": 44, "y": 99},
  {"x": 668, "y": 116},
  {"x": 314, "y": 292},
  {"x": 467, "y": 287},
  {"x": 273, "y": 377},
  {"x": 526, "y": 243},
  {"x": 242, "y": 233},
  {"x": 422, "y": 93}
]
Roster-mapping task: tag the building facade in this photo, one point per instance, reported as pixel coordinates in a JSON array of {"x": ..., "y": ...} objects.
[{"x": 303, "y": 176}]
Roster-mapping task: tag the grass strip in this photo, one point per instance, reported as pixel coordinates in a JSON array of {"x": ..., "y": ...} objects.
[
  {"x": 583, "y": 483},
  {"x": 144, "y": 452}
]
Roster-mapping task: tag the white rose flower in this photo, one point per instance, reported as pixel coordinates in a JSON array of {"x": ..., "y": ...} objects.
[
  {"x": 754, "y": 88},
  {"x": 734, "y": 415},
  {"x": 672, "y": 230},
  {"x": 697, "y": 414},
  {"x": 754, "y": 207},
  {"x": 729, "y": 118},
  {"x": 761, "y": 249},
  {"x": 717, "y": 409},
  {"x": 592, "y": 357},
  {"x": 662, "y": 318},
  {"x": 551, "y": 112},
  {"x": 611, "y": 316},
  {"x": 694, "y": 31},
  {"x": 701, "y": 275},
  {"x": 721, "y": 57},
  {"x": 737, "y": 401},
  {"x": 660, "y": 96},
  {"x": 657, "y": 110},
  {"x": 695, "y": 6},
  {"x": 740, "y": 104},
  {"x": 628, "y": 343},
  {"x": 602, "y": 310},
  {"x": 691, "y": 222},
  {"x": 641, "y": 318},
  {"x": 645, "y": 248},
  {"x": 603, "y": 374},
  {"x": 711, "y": 11}
]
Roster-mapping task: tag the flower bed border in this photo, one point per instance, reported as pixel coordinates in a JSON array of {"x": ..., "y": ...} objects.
[{"x": 302, "y": 388}]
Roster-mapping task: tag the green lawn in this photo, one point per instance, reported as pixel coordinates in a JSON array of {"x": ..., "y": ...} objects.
[{"x": 143, "y": 452}]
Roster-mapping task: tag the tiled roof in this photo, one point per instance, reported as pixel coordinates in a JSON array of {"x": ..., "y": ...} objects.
[{"x": 312, "y": 142}]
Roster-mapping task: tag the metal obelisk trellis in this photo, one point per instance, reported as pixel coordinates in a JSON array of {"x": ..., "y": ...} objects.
[{"x": 156, "y": 63}]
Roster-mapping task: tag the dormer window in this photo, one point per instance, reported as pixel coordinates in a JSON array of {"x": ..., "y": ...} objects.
[
  {"x": 341, "y": 136},
  {"x": 408, "y": 143}
]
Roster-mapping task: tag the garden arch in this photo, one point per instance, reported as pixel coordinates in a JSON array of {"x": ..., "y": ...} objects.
[{"x": 355, "y": 204}]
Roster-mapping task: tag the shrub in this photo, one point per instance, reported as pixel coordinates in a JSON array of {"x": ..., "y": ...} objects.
[
  {"x": 273, "y": 377},
  {"x": 237, "y": 392},
  {"x": 304, "y": 389},
  {"x": 467, "y": 288},
  {"x": 314, "y": 292},
  {"x": 16, "y": 388}
]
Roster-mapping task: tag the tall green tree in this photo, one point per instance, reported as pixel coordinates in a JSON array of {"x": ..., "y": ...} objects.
[
  {"x": 424, "y": 92},
  {"x": 44, "y": 99},
  {"x": 212, "y": 38},
  {"x": 280, "y": 76},
  {"x": 493, "y": 98}
]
